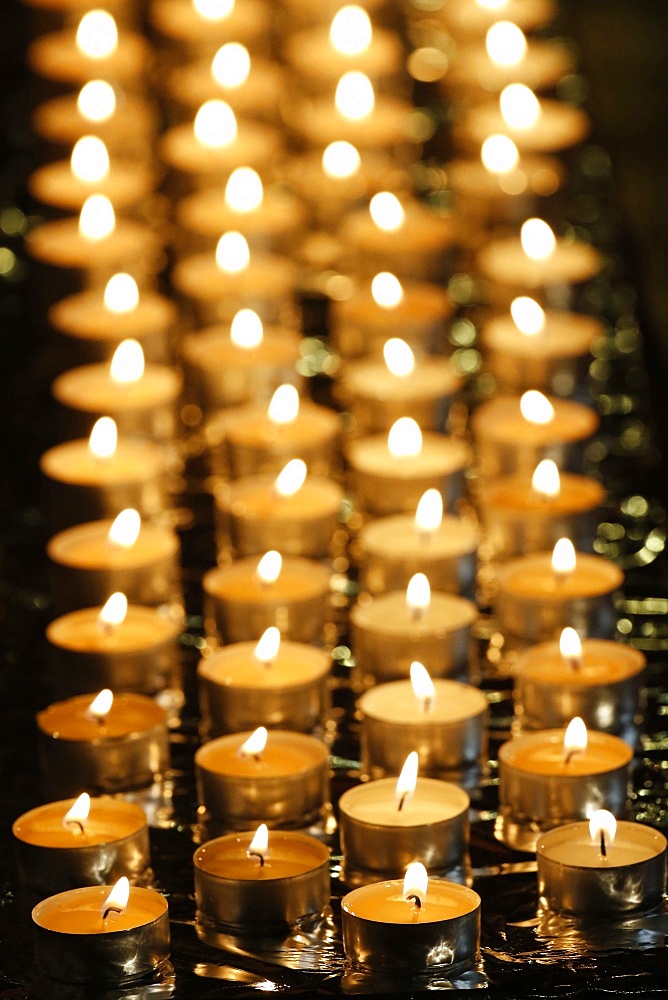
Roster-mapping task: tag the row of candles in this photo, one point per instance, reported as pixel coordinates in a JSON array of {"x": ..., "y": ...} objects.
[{"x": 276, "y": 465}]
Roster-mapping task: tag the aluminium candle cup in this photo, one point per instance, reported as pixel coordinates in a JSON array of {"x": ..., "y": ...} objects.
[
  {"x": 85, "y": 569},
  {"x": 237, "y": 692},
  {"x": 384, "y": 484},
  {"x": 573, "y": 877},
  {"x": 88, "y": 955},
  {"x": 141, "y": 654},
  {"x": 605, "y": 690},
  {"x": 377, "y": 935},
  {"x": 506, "y": 444},
  {"x": 379, "y": 841},
  {"x": 535, "y": 796},
  {"x": 237, "y": 895},
  {"x": 128, "y": 751},
  {"x": 251, "y": 519},
  {"x": 386, "y": 637},
  {"x": 287, "y": 787},
  {"x": 449, "y": 737},
  {"x": 390, "y": 551},
  {"x": 516, "y": 520},
  {"x": 51, "y": 858},
  {"x": 534, "y": 604},
  {"x": 238, "y": 606}
]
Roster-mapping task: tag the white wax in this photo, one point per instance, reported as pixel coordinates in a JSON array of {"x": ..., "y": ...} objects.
[
  {"x": 573, "y": 846},
  {"x": 396, "y": 702},
  {"x": 432, "y": 802}
]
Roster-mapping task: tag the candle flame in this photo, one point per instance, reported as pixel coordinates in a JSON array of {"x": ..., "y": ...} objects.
[
  {"x": 407, "y": 780},
  {"x": 255, "y": 744},
  {"x": 96, "y": 101},
  {"x": 570, "y": 646},
  {"x": 259, "y": 844},
  {"x": 78, "y": 812},
  {"x": 268, "y": 646},
  {"x": 291, "y": 478},
  {"x": 422, "y": 684},
  {"x": 405, "y": 438},
  {"x": 103, "y": 438},
  {"x": 121, "y": 294},
  {"x": 575, "y": 738},
  {"x": 499, "y": 154},
  {"x": 232, "y": 253},
  {"x": 416, "y": 882},
  {"x": 545, "y": 480},
  {"x": 429, "y": 513},
  {"x": 231, "y": 65},
  {"x": 90, "y": 160},
  {"x": 118, "y": 898},
  {"x": 341, "y": 159},
  {"x": 100, "y": 706},
  {"x": 127, "y": 363},
  {"x": 97, "y": 34},
  {"x": 115, "y": 610},
  {"x": 246, "y": 329},
  {"x": 519, "y": 106},
  {"x": 491, "y": 4},
  {"x": 563, "y": 557},
  {"x": 528, "y": 316},
  {"x": 386, "y": 290},
  {"x": 536, "y": 408},
  {"x": 505, "y": 44},
  {"x": 214, "y": 10},
  {"x": 418, "y": 594},
  {"x": 602, "y": 824},
  {"x": 244, "y": 191},
  {"x": 399, "y": 358},
  {"x": 97, "y": 219},
  {"x": 351, "y": 31},
  {"x": 215, "y": 124},
  {"x": 354, "y": 96},
  {"x": 269, "y": 567},
  {"x": 284, "y": 405},
  {"x": 537, "y": 239},
  {"x": 125, "y": 529},
  {"x": 387, "y": 211}
]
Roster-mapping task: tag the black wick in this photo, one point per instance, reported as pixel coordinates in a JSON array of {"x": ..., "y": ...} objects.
[
  {"x": 256, "y": 854},
  {"x": 401, "y": 806},
  {"x": 414, "y": 898},
  {"x": 604, "y": 849},
  {"x": 111, "y": 909},
  {"x": 76, "y": 822},
  {"x": 569, "y": 756}
]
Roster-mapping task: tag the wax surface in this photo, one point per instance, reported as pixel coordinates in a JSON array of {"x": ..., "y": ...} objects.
[
  {"x": 559, "y": 126},
  {"x": 236, "y": 666},
  {"x": 210, "y": 215},
  {"x": 505, "y": 261},
  {"x": 532, "y": 577},
  {"x": 500, "y": 420},
  {"x": 389, "y": 614},
  {"x": 288, "y": 854},
  {"x": 374, "y": 802},
  {"x": 109, "y": 820},
  {"x": 56, "y": 56},
  {"x": 382, "y": 56},
  {"x": 395, "y": 702},
  {"x": 439, "y": 456},
  {"x": 179, "y": 19},
  {"x": 86, "y": 546},
  {"x": 543, "y": 753},
  {"x": 422, "y": 302},
  {"x": 285, "y": 754},
  {"x": 252, "y": 428},
  {"x": 573, "y": 846},
  {"x": 73, "y": 462},
  {"x": 515, "y": 494},
  {"x": 254, "y": 498},
  {"x": 423, "y": 231},
  {"x": 252, "y": 147},
  {"x": 383, "y": 902},
  {"x": 431, "y": 378},
  {"x": 79, "y": 911},
  {"x": 603, "y": 662},
  {"x": 85, "y": 316},
  {"x": 299, "y": 579},
  {"x": 543, "y": 176},
  {"x": 397, "y": 537},
  {"x": 81, "y": 631},
  {"x": 91, "y": 388},
  {"x": 212, "y": 349},
  {"x": 129, "y": 713},
  {"x": 563, "y": 335},
  {"x": 56, "y": 184}
]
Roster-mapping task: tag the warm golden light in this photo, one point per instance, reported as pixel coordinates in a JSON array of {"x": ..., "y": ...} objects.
[
  {"x": 118, "y": 898},
  {"x": 575, "y": 738},
  {"x": 291, "y": 478},
  {"x": 491, "y": 4},
  {"x": 416, "y": 882},
  {"x": 244, "y": 191},
  {"x": 563, "y": 557},
  {"x": 97, "y": 219},
  {"x": 354, "y": 97},
  {"x": 537, "y": 239},
  {"x": 215, "y": 124},
  {"x": 602, "y": 829},
  {"x": 127, "y": 363},
  {"x": 407, "y": 780},
  {"x": 341, "y": 160},
  {"x": 499, "y": 154},
  {"x": 96, "y": 101},
  {"x": 232, "y": 253},
  {"x": 570, "y": 647},
  {"x": 78, "y": 812},
  {"x": 386, "y": 290},
  {"x": 418, "y": 595},
  {"x": 214, "y": 10},
  {"x": 505, "y": 44},
  {"x": 125, "y": 529},
  {"x": 269, "y": 567},
  {"x": 387, "y": 211},
  {"x": 519, "y": 106},
  {"x": 103, "y": 438},
  {"x": 527, "y": 315},
  {"x": 97, "y": 35},
  {"x": 246, "y": 329},
  {"x": 351, "y": 31},
  {"x": 90, "y": 160},
  {"x": 255, "y": 744},
  {"x": 423, "y": 686},
  {"x": 284, "y": 405},
  {"x": 268, "y": 646},
  {"x": 536, "y": 408},
  {"x": 429, "y": 513},
  {"x": 259, "y": 844},
  {"x": 545, "y": 480},
  {"x": 231, "y": 65},
  {"x": 399, "y": 358},
  {"x": 121, "y": 294},
  {"x": 114, "y": 611},
  {"x": 100, "y": 706},
  {"x": 405, "y": 438}
]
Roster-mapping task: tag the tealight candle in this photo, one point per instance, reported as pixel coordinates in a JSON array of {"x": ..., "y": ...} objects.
[
  {"x": 252, "y": 87},
  {"x": 63, "y": 186},
  {"x": 551, "y": 778},
  {"x": 249, "y": 888},
  {"x": 128, "y": 127},
  {"x": 507, "y": 57},
  {"x": 470, "y": 18},
  {"x": 94, "y": 49},
  {"x": 368, "y": 121},
  {"x": 601, "y": 867},
  {"x": 541, "y": 125},
  {"x": 596, "y": 679},
  {"x": 251, "y": 595},
  {"x": 274, "y": 682},
  {"x": 411, "y": 926},
  {"x": 101, "y": 933},
  {"x": 63, "y": 845},
  {"x": 206, "y": 25},
  {"x": 119, "y": 747},
  {"x": 242, "y": 782}
]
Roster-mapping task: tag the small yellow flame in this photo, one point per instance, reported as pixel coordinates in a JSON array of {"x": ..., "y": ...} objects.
[
  {"x": 97, "y": 34},
  {"x": 399, "y": 358},
  {"x": 575, "y": 737},
  {"x": 97, "y": 219},
  {"x": 255, "y": 744},
  {"x": 499, "y": 154},
  {"x": 570, "y": 646},
  {"x": 284, "y": 405},
  {"x": 121, "y": 294},
  {"x": 103, "y": 438},
  {"x": 268, "y": 646},
  {"x": 214, "y": 10},
  {"x": 114, "y": 611},
  {"x": 341, "y": 160},
  {"x": 563, "y": 557},
  {"x": 491, "y": 4},
  {"x": 602, "y": 824},
  {"x": 269, "y": 567},
  {"x": 354, "y": 98},
  {"x": 422, "y": 684},
  {"x": 100, "y": 706},
  {"x": 528, "y": 316},
  {"x": 538, "y": 240},
  {"x": 78, "y": 812},
  {"x": 231, "y": 65},
  {"x": 405, "y": 438},
  {"x": 215, "y": 124},
  {"x": 260, "y": 843},
  {"x": 429, "y": 513},
  {"x": 418, "y": 594},
  {"x": 407, "y": 780},
  {"x": 90, "y": 160},
  {"x": 125, "y": 529},
  {"x": 291, "y": 478},
  {"x": 127, "y": 364},
  {"x": 416, "y": 882},
  {"x": 536, "y": 408},
  {"x": 506, "y": 44},
  {"x": 246, "y": 329},
  {"x": 519, "y": 106},
  {"x": 96, "y": 101},
  {"x": 351, "y": 31},
  {"x": 232, "y": 253},
  {"x": 244, "y": 191},
  {"x": 118, "y": 898},
  {"x": 386, "y": 290},
  {"x": 545, "y": 480},
  {"x": 387, "y": 211}
]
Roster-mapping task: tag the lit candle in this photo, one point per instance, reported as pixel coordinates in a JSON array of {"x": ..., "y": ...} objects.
[
  {"x": 201, "y": 25},
  {"x": 468, "y": 19}
]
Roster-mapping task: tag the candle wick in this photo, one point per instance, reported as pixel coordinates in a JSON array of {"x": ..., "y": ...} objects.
[
  {"x": 575, "y": 663},
  {"x": 76, "y": 822},
  {"x": 416, "y": 613},
  {"x": 426, "y": 705},
  {"x": 111, "y": 909},
  {"x": 401, "y": 801},
  {"x": 414, "y": 898},
  {"x": 604, "y": 849},
  {"x": 256, "y": 854}
]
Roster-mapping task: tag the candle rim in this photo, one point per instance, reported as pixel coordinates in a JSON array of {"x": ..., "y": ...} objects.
[
  {"x": 423, "y": 784},
  {"x": 397, "y": 885},
  {"x": 652, "y": 838},
  {"x": 100, "y": 892},
  {"x": 97, "y": 802},
  {"x": 276, "y": 837},
  {"x": 555, "y": 738}
]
